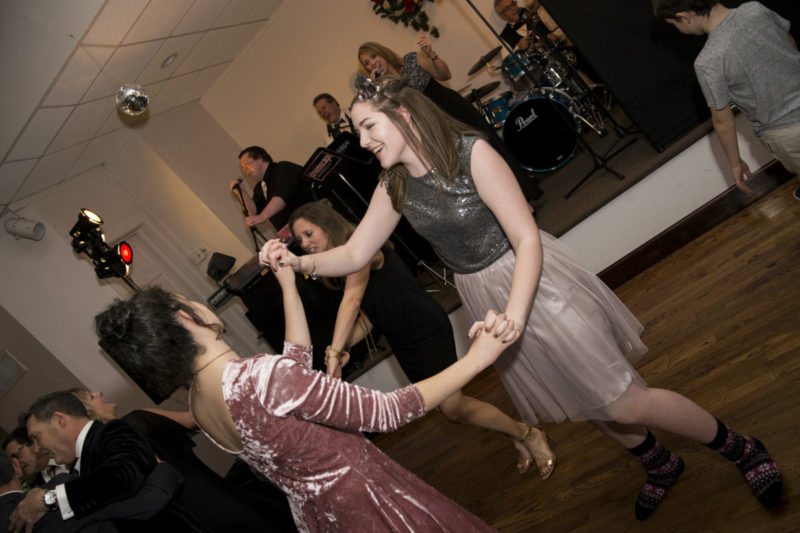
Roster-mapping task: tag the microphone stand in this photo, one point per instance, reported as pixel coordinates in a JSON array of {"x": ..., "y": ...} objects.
[
  {"x": 253, "y": 230},
  {"x": 598, "y": 161}
]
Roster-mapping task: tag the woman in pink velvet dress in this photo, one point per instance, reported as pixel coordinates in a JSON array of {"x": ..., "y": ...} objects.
[{"x": 298, "y": 427}]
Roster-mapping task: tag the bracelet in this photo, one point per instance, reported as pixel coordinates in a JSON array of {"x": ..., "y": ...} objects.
[
  {"x": 313, "y": 273},
  {"x": 333, "y": 353},
  {"x": 432, "y": 56}
]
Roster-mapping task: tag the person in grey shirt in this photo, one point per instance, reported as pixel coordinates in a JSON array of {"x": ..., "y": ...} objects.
[{"x": 749, "y": 60}]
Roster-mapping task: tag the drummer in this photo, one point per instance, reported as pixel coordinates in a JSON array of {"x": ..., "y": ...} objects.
[
  {"x": 515, "y": 32},
  {"x": 518, "y": 36}
]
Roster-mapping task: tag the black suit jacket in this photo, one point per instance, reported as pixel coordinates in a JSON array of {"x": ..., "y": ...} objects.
[{"x": 114, "y": 462}]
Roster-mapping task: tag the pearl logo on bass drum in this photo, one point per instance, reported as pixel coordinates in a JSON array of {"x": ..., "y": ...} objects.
[{"x": 522, "y": 122}]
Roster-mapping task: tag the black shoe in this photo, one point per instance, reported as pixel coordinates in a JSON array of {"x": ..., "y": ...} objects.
[{"x": 797, "y": 193}]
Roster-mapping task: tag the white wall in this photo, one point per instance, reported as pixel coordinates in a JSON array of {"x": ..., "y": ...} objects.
[
  {"x": 265, "y": 97},
  {"x": 203, "y": 155},
  {"x": 673, "y": 191}
]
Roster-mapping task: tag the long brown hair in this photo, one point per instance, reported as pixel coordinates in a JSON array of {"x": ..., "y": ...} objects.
[
  {"x": 337, "y": 228},
  {"x": 433, "y": 135}
]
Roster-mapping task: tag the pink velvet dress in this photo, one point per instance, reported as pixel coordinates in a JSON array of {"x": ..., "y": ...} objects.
[{"x": 300, "y": 428}]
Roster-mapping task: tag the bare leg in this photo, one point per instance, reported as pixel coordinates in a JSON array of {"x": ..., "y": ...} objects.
[
  {"x": 639, "y": 408},
  {"x": 659, "y": 409},
  {"x": 468, "y": 410}
]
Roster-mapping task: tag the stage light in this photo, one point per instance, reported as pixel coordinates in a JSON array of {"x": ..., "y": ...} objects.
[
  {"x": 109, "y": 261},
  {"x": 125, "y": 252},
  {"x": 87, "y": 234},
  {"x": 114, "y": 262}
]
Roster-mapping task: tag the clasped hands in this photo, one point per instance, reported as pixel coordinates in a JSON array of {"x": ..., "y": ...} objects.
[
  {"x": 275, "y": 254},
  {"x": 497, "y": 325}
]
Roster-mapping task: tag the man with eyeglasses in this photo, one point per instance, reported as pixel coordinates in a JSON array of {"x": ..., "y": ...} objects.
[{"x": 37, "y": 468}]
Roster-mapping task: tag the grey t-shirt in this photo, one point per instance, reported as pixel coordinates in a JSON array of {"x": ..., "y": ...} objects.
[{"x": 749, "y": 61}]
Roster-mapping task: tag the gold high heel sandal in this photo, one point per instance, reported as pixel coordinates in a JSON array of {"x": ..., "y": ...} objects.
[{"x": 548, "y": 467}]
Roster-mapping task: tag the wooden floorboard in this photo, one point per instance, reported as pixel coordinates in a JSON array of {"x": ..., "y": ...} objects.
[{"x": 721, "y": 319}]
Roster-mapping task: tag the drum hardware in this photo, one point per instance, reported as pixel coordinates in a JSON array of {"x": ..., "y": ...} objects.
[
  {"x": 476, "y": 94},
  {"x": 565, "y": 119},
  {"x": 484, "y": 60}
]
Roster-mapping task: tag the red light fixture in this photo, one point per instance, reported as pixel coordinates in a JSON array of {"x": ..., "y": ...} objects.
[{"x": 125, "y": 252}]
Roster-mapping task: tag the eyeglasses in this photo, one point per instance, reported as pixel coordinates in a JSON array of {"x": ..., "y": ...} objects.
[{"x": 510, "y": 7}]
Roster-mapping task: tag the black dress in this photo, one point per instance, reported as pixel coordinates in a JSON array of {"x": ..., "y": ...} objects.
[
  {"x": 219, "y": 505},
  {"x": 414, "y": 324},
  {"x": 459, "y": 108}
]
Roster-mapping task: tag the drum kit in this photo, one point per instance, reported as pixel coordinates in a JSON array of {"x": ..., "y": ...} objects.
[{"x": 550, "y": 109}]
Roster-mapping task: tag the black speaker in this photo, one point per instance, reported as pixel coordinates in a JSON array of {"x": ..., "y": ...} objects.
[{"x": 219, "y": 265}]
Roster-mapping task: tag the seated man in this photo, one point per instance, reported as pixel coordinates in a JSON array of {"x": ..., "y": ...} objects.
[
  {"x": 277, "y": 188},
  {"x": 336, "y": 120},
  {"x": 36, "y": 468},
  {"x": 11, "y": 494},
  {"x": 112, "y": 461},
  {"x": 749, "y": 60},
  {"x": 518, "y": 32}
]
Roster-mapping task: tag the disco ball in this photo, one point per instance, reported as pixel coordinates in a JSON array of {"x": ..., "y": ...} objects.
[{"x": 132, "y": 100}]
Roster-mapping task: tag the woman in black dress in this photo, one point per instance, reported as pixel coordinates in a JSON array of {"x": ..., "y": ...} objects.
[{"x": 414, "y": 324}]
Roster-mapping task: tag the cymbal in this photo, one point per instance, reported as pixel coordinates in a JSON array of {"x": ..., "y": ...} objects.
[
  {"x": 480, "y": 92},
  {"x": 484, "y": 60}
]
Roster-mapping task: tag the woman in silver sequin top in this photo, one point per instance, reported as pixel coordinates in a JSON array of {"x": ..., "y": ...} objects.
[{"x": 573, "y": 340}]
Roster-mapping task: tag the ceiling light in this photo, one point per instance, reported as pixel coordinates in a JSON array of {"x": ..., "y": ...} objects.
[{"x": 169, "y": 59}]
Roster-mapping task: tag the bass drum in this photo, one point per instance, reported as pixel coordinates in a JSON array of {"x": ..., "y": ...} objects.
[{"x": 541, "y": 131}]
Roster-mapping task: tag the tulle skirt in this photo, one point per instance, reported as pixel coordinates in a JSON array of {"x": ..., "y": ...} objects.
[{"x": 575, "y": 353}]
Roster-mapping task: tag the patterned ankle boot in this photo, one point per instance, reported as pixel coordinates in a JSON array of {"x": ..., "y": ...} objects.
[
  {"x": 750, "y": 455},
  {"x": 663, "y": 468}
]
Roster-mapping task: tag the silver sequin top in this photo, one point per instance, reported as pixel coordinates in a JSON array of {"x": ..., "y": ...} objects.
[
  {"x": 453, "y": 218},
  {"x": 417, "y": 77}
]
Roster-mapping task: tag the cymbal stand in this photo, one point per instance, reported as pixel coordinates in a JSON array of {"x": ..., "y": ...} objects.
[{"x": 598, "y": 161}]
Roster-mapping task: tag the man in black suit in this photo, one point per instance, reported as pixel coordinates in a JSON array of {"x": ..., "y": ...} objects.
[
  {"x": 11, "y": 494},
  {"x": 37, "y": 468},
  {"x": 112, "y": 461}
]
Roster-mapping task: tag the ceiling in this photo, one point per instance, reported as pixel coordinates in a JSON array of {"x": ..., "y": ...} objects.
[{"x": 76, "y": 125}]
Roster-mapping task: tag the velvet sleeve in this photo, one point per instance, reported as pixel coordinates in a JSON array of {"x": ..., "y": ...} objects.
[{"x": 287, "y": 388}]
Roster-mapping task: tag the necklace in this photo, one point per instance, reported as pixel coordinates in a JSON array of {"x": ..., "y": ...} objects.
[{"x": 204, "y": 367}]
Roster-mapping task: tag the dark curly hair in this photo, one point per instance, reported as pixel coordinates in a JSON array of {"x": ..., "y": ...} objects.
[{"x": 144, "y": 336}]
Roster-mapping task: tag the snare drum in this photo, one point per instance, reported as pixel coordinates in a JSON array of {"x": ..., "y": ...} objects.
[
  {"x": 541, "y": 131},
  {"x": 496, "y": 110}
]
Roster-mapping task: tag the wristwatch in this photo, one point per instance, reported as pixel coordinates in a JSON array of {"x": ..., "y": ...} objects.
[{"x": 50, "y": 499}]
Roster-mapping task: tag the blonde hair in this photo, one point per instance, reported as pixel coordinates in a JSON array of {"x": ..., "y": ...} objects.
[
  {"x": 83, "y": 396},
  {"x": 433, "y": 135},
  {"x": 376, "y": 48}
]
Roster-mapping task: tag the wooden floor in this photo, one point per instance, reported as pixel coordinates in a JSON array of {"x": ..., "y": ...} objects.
[{"x": 722, "y": 320}]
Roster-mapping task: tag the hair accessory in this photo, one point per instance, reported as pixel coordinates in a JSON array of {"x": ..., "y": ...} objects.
[{"x": 367, "y": 89}]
